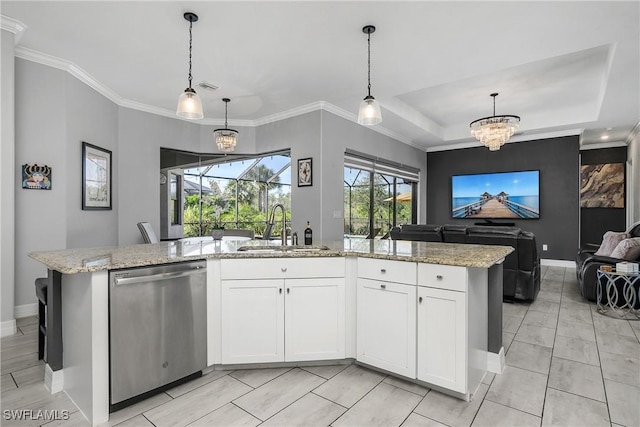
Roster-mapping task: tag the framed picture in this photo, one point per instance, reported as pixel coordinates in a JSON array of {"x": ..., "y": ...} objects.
[
  {"x": 36, "y": 177},
  {"x": 602, "y": 185},
  {"x": 304, "y": 172},
  {"x": 96, "y": 178}
]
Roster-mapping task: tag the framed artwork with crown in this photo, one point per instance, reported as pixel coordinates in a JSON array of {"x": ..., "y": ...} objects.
[{"x": 36, "y": 177}]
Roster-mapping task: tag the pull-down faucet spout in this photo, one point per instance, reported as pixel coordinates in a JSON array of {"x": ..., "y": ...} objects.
[{"x": 272, "y": 219}]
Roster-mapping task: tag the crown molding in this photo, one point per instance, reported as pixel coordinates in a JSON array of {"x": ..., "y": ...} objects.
[
  {"x": 634, "y": 133},
  {"x": 519, "y": 138},
  {"x": 17, "y": 28},
  {"x": 596, "y": 146},
  {"x": 92, "y": 82}
]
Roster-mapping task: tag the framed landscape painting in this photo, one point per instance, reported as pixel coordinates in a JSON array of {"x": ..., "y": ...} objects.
[
  {"x": 602, "y": 185},
  {"x": 96, "y": 178}
]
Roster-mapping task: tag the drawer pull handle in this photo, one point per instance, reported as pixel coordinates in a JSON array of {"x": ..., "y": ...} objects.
[
  {"x": 382, "y": 270},
  {"x": 283, "y": 269},
  {"x": 280, "y": 290},
  {"x": 383, "y": 286},
  {"x": 288, "y": 290},
  {"x": 420, "y": 300},
  {"x": 439, "y": 277}
]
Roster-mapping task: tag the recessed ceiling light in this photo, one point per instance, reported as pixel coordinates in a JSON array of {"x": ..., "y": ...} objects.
[{"x": 604, "y": 137}]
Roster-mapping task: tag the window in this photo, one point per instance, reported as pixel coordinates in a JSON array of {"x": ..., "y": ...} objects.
[
  {"x": 378, "y": 195},
  {"x": 175, "y": 200}
]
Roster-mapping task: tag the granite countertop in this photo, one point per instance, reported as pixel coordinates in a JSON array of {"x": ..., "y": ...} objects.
[{"x": 71, "y": 261}]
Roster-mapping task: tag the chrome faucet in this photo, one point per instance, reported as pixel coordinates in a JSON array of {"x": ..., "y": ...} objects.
[{"x": 272, "y": 219}]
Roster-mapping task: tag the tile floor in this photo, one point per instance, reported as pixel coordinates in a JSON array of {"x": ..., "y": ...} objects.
[{"x": 567, "y": 365}]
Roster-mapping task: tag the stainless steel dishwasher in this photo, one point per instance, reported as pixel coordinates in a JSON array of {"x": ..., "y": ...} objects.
[{"x": 157, "y": 328}]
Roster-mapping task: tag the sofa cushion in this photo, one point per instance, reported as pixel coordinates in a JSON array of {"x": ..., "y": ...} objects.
[
  {"x": 609, "y": 242},
  {"x": 628, "y": 249}
]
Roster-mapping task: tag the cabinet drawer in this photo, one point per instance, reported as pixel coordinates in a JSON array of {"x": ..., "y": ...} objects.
[
  {"x": 389, "y": 271},
  {"x": 281, "y": 268},
  {"x": 443, "y": 276}
]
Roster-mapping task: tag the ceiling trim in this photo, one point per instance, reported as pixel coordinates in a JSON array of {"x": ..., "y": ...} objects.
[
  {"x": 70, "y": 67},
  {"x": 519, "y": 138},
  {"x": 13, "y": 26},
  {"x": 599, "y": 145},
  {"x": 634, "y": 133}
]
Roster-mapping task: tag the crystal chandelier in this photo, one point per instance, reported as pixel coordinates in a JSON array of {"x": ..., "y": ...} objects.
[
  {"x": 189, "y": 103},
  {"x": 494, "y": 131},
  {"x": 369, "y": 113},
  {"x": 226, "y": 138}
]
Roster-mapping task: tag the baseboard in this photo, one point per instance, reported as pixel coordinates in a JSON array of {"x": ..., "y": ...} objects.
[
  {"x": 53, "y": 380},
  {"x": 25, "y": 310},
  {"x": 8, "y": 328},
  {"x": 558, "y": 263},
  {"x": 496, "y": 361}
]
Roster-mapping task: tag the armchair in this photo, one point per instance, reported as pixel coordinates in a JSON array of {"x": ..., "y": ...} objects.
[{"x": 588, "y": 263}]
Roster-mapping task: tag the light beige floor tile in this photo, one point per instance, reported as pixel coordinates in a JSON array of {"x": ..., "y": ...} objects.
[
  {"x": 514, "y": 309},
  {"x": 310, "y": 410},
  {"x": 617, "y": 344},
  {"x": 257, "y": 377},
  {"x": 583, "y": 331},
  {"x": 511, "y": 323},
  {"x": 19, "y": 363},
  {"x": 575, "y": 315},
  {"x": 385, "y": 405},
  {"x": 18, "y": 351},
  {"x": 551, "y": 285},
  {"x": 271, "y": 398},
  {"x": 406, "y": 385},
  {"x": 577, "y": 350},
  {"x": 583, "y": 305},
  {"x": 623, "y": 403},
  {"x": 494, "y": 414},
  {"x": 519, "y": 389},
  {"x": 608, "y": 326},
  {"x": 137, "y": 421},
  {"x": 194, "y": 384},
  {"x": 636, "y": 329},
  {"x": 197, "y": 403},
  {"x": 573, "y": 295},
  {"x": 20, "y": 339},
  {"x": 416, "y": 420},
  {"x": 23, "y": 321},
  {"x": 529, "y": 356},
  {"x": 620, "y": 368},
  {"x": 227, "y": 416},
  {"x": 326, "y": 372},
  {"x": 548, "y": 320},
  {"x": 537, "y": 335},
  {"x": 30, "y": 375},
  {"x": 137, "y": 409},
  {"x": 350, "y": 385},
  {"x": 75, "y": 419},
  {"x": 577, "y": 378},
  {"x": 566, "y": 409},
  {"x": 30, "y": 329},
  {"x": 507, "y": 339},
  {"x": 55, "y": 407},
  {"x": 7, "y": 383},
  {"x": 23, "y": 396},
  {"x": 550, "y": 295},
  {"x": 545, "y": 306},
  {"x": 488, "y": 378},
  {"x": 450, "y": 410}
]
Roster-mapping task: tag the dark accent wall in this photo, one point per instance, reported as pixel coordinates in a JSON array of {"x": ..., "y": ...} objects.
[
  {"x": 594, "y": 222},
  {"x": 558, "y": 160}
]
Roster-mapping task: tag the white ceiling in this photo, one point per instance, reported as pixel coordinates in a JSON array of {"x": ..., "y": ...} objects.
[{"x": 563, "y": 67}]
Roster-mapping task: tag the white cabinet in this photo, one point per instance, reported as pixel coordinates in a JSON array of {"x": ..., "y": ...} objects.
[
  {"x": 442, "y": 338},
  {"x": 386, "y": 315},
  {"x": 252, "y": 321},
  {"x": 291, "y": 318}
]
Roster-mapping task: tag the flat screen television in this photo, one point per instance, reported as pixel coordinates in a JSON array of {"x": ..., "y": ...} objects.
[{"x": 502, "y": 195}]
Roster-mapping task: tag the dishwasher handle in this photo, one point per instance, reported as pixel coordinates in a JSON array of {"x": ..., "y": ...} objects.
[{"x": 161, "y": 276}]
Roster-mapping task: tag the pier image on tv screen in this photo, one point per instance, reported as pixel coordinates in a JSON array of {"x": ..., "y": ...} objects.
[{"x": 504, "y": 195}]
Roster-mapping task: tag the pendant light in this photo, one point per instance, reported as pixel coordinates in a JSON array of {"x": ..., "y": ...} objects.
[
  {"x": 226, "y": 138},
  {"x": 494, "y": 131},
  {"x": 369, "y": 113},
  {"x": 189, "y": 103}
]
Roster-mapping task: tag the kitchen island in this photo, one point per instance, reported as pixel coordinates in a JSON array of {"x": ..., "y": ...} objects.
[{"x": 444, "y": 302}]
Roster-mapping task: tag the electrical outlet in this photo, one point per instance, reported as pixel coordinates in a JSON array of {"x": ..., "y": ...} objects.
[{"x": 545, "y": 247}]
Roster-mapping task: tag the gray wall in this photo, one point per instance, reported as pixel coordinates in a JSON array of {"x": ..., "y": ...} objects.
[
  {"x": 7, "y": 182},
  {"x": 558, "y": 162}
]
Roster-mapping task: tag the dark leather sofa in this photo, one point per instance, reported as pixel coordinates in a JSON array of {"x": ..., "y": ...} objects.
[
  {"x": 521, "y": 268},
  {"x": 587, "y": 264}
]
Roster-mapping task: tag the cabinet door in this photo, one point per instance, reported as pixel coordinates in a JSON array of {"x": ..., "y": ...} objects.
[
  {"x": 442, "y": 341},
  {"x": 386, "y": 322},
  {"x": 314, "y": 319},
  {"x": 252, "y": 321}
]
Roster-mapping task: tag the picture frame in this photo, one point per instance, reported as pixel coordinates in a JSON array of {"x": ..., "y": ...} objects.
[
  {"x": 36, "y": 177},
  {"x": 305, "y": 172},
  {"x": 96, "y": 178},
  {"x": 602, "y": 185}
]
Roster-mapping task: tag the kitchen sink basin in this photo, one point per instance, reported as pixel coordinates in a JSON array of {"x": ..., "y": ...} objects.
[{"x": 285, "y": 248}]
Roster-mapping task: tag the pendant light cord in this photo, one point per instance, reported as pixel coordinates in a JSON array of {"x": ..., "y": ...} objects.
[
  {"x": 369, "y": 62},
  {"x": 190, "y": 44},
  {"x": 226, "y": 104}
]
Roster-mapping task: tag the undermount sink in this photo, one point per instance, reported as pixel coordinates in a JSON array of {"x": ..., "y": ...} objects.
[{"x": 285, "y": 248}]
